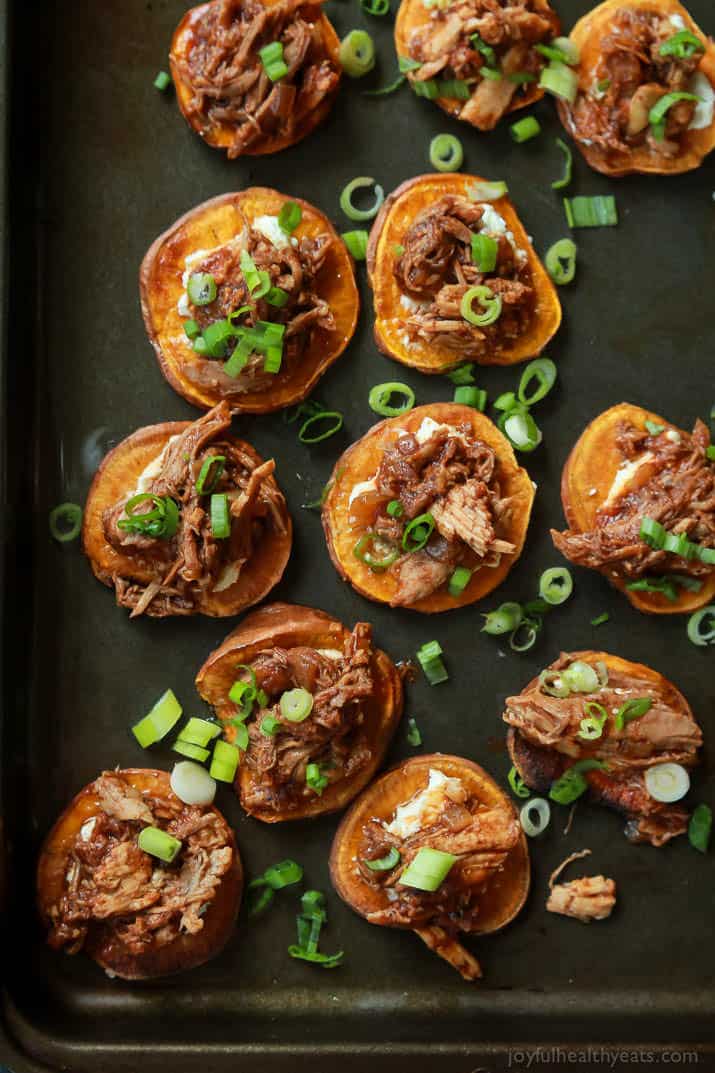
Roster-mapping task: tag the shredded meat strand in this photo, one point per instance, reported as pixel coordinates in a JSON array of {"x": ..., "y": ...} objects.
[{"x": 586, "y": 899}]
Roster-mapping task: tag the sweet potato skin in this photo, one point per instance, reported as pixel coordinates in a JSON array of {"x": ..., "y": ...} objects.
[
  {"x": 505, "y": 894},
  {"x": 223, "y": 137},
  {"x": 696, "y": 144},
  {"x": 185, "y": 952},
  {"x": 212, "y": 224},
  {"x": 287, "y": 626},
  {"x": 413, "y": 14},
  {"x": 395, "y": 216},
  {"x": 593, "y": 463},
  {"x": 360, "y": 461},
  {"x": 117, "y": 474}
]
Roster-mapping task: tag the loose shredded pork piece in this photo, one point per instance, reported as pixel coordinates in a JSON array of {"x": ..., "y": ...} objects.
[
  {"x": 447, "y": 947},
  {"x": 577, "y": 856},
  {"x": 586, "y": 899}
]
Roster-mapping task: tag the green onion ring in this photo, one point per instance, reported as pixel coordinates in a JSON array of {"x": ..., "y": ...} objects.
[
  {"x": 530, "y": 631},
  {"x": 359, "y": 183},
  {"x": 555, "y": 585},
  {"x": 418, "y": 532},
  {"x": 657, "y": 116},
  {"x": 563, "y": 182},
  {"x": 490, "y": 302},
  {"x": 522, "y": 431},
  {"x": 380, "y": 394},
  {"x": 545, "y": 372},
  {"x": 446, "y": 152},
  {"x": 505, "y": 619},
  {"x": 386, "y": 863},
  {"x": 207, "y": 481},
  {"x": 324, "y": 415},
  {"x": 543, "y": 813},
  {"x": 65, "y": 522},
  {"x": 701, "y": 626},
  {"x": 357, "y": 53},
  {"x": 548, "y": 680},
  {"x": 367, "y": 557},
  {"x": 560, "y": 261},
  {"x": 375, "y": 7}
]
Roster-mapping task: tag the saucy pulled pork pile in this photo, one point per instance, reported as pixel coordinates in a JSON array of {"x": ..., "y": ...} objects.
[
  {"x": 239, "y": 96},
  {"x": 601, "y": 723},
  {"x": 136, "y": 914}
]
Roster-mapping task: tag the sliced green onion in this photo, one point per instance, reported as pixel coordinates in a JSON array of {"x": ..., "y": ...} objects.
[
  {"x": 65, "y": 522},
  {"x": 406, "y": 63},
  {"x": 307, "y": 433},
  {"x": 522, "y": 431},
  {"x": 375, "y": 7},
  {"x": 710, "y": 453},
  {"x": 484, "y": 254},
  {"x": 656, "y": 536},
  {"x": 240, "y": 740},
  {"x": 380, "y": 395},
  {"x": 553, "y": 683},
  {"x": 273, "y": 62},
  {"x": 505, "y": 619},
  {"x": 464, "y": 374},
  {"x": 459, "y": 581},
  {"x": 162, "y": 81},
  {"x": 428, "y": 89},
  {"x": 346, "y": 204},
  {"x": 375, "y": 552},
  {"x": 454, "y": 89},
  {"x": 224, "y": 762},
  {"x": 283, "y": 874},
  {"x": 315, "y": 779},
  {"x": 201, "y": 288},
  {"x": 519, "y": 787},
  {"x": 599, "y": 211},
  {"x": 159, "y": 844},
  {"x": 194, "y": 752},
  {"x": 581, "y": 677},
  {"x": 700, "y": 827},
  {"x": 653, "y": 428},
  {"x": 160, "y": 522},
  {"x": 383, "y": 91},
  {"x": 487, "y": 191},
  {"x": 563, "y": 182},
  {"x": 560, "y": 81},
  {"x": 469, "y": 395},
  {"x": 491, "y": 304},
  {"x": 386, "y": 863},
  {"x": 210, "y": 475},
  {"x": 357, "y": 53},
  {"x": 667, "y": 782},
  {"x": 667, "y": 585},
  {"x": 572, "y": 784},
  {"x": 535, "y": 816},
  {"x": 430, "y": 660},
  {"x": 600, "y": 619},
  {"x": 683, "y": 45},
  {"x": 260, "y": 897},
  {"x": 428, "y": 869},
  {"x": 290, "y": 216},
  {"x": 493, "y": 74},
  {"x": 269, "y": 726},
  {"x": 296, "y": 705},
  {"x": 356, "y": 242},
  {"x": 591, "y": 726},
  {"x": 418, "y": 532},
  {"x": 561, "y": 50},
  {"x": 199, "y": 731},
  {"x": 273, "y": 359},
  {"x": 524, "y": 636},
  {"x": 701, "y": 626},
  {"x": 632, "y": 709},
  {"x": 220, "y": 516},
  {"x": 192, "y": 329},
  {"x": 658, "y": 114},
  {"x": 199, "y": 346},
  {"x": 506, "y": 401},
  {"x": 560, "y": 261},
  {"x": 414, "y": 737},
  {"x": 544, "y": 371},
  {"x": 395, "y": 509},
  {"x": 277, "y": 297},
  {"x": 446, "y": 152},
  {"x": 522, "y": 78},
  {"x": 555, "y": 585},
  {"x": 398, "y": 250},
  {"x": 525, "y": 129},
  {"x": 159, "y": 721},
  {"x": 479, "y": 45}
]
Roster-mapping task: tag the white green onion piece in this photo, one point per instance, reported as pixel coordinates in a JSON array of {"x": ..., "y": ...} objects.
[
  {"x": 667, "y": 782},
  {"x": 199, "y": 732},
  {"x": 560, "y": 81},
  {"x": 224, "y": 762},
  {"x": 598, "y": 211},
  {"x": 194, "y": 752},
  {"x": 159, "y": 844},
  {"x": 522, "y": 431},
  {"x": 428, "y": 869},
  {"x": 555, "y": 585},
  {"x": 581, "y": 677},
  {"x": 535, "y": 816},
  {"x": 160, "y": 720},
  {"x": 296, "y": 705},
  {"x": 357, "y": 53},
  {"x": 192, "y": 783}
]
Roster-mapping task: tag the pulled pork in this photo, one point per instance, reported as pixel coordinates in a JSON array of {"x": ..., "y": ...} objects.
[
  {"x": 505, "y": 30},
  {"x": 113, "y": 889},
  {"x": 586, "y": 899},
  {"x": 454, "y": 478},
  {"x": 229, "y": 86},
  {"x": 545, "y": 742},
  {"x": 192, "y": 562},
  {"x": 436, "y": 270},
  {"x": 334, "y": 736},
  {"x": 481, "y": 838},
  {"x": 675, "y": 485},
  {"x": 630, "y": 78},
  {"x": 292, "y": 268}
]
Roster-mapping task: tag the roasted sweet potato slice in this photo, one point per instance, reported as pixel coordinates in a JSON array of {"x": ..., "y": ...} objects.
[
  {"x": 587, "y": 35},
  {"x": 117, "y": 955},
  {"x": 207, "y": 228},
  {"x": 587, "y": 479},
  {"x": 360, "y": 463},
  {"x": 504, "y": 893},
  {"x": 287, "y": 626},
  {"x": 397, "y": 214},
  {"x": 220, "y": 134},
  {"x": 414, "y": 14},
  {"x": 118, "y": 475}
]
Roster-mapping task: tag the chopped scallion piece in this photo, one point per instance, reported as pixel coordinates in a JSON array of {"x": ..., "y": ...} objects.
[
  {"x": 296, "y": 705},
  {"x": 156, "y": 725},
  {"x": 357, "y": 53},
  {"x": 555, "y": 585},
  {"x": 487, "y": 191},
  {"x": 315, "y": 779},
  {"x": 159, "y": 844},
  {"x": 414, "y": 737},
  {"x": 307, "y": 433},
  {"x": 560, "y": 81},
  {"x": 273, "y": 62},
  {"x": 653, "y": 428},
  {"x": 428, "y": 869},
  {"x": 210, "y": 474},
  {"x": 429, "y": 657},
  {"x": 599, "y": 211},
  {"x": 544, "y": 372},
  {"x": 194, "y": 752},
  {"x": 505, "y": 619},
  {"x": 560, "y": 261},
  {"x": 269, "y": 726},
  {"x": 572, "y": 783},
  {"x": 283, "y": 874},
  {"x": 162, "y": 81},
  {"x": 682, "y": 45},
  {"x": 522, "y": 431},
  {"x": 446, "y": 152},
  {"x": 632, "y": 709},
  {"x": 380, "y": 395},
  {"x": 201, "y": 288},
  {"x": 459, "y": 581},
  {"x": 484, "y": 254},
  {"x": 519, "y": 787},
  {"x": 657, "y": 117},
  {"x": 65, "y": 522},
  {"x": 700, "y": 827},
  {"x": 386, "y": 863},
  {"x": 290, "y": 216},
  {"x": 491, "y": 305},
  {"x": 375, "y": 552},
  {"x": 346, "y": 204},
  {"x": 375, "y": 7},
  {"x": 192, "y": 329},
  {"x": 600, "y": 619},
  {"x": 563, "y": 182},
  {"x": 535, "y": 816},
  {"x": 383, "y": 91},
  {"x": 224, "y": 762},
  {"x": 220, "y": 516},
  {"x": 417, "y": 532},
  {"x": 525, "y": 129},
  {"x": 469, "y": 395},
  {"x": 464, "y": 374},
  {"x": 701, "y": 626},
  {"x": 356, "y": 242},
  {"x": 395, "y": 509},
  {"x": 200, "y": 732}
]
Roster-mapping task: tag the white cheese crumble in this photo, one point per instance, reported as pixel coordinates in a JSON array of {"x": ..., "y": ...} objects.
[
  {"x": 362, "y": 487},
  {"x": 624, "y": 475},
  {"x": 410, "y": 304},
  {"x": 330, "y": 653},
  {"x": 493, "y": 223},
  {"x": 677, "y": 21},
  {"x": 430, "y": 428},
  {"x": 153, "y": 469},
  {"x": 227, "y": 577},
  {"x": 272, "y": 230},
  {"x": 423, "y": 809},
  {"x": 673, "y": 435},
  {"x": 702, "y": 87}
]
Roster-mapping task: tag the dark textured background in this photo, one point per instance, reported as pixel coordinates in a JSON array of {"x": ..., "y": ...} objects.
[{"x": 101, "y": 163}]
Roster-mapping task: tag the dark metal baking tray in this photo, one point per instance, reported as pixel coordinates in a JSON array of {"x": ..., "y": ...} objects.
[{"x": 99, "y": 163}]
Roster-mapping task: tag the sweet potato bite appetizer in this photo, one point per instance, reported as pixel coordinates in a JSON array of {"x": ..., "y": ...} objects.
[
  {"x": 249, "y": 297},
  {"x": 434, "y": 846},
  {"x": 639, "y": 498},
  {"x": 255, "y": 76},
  {"x": 479, "y": 59},
  {"x": 143, "y": 883},
  {"x": 183, "y": 518},
  {"x": 429, "y": 510},
  {"x": 311, "y": 704},
  {"x": 621, "y": 731},
  {"x": 455, "y": 277},
  {"x": 646, "y": 89}
]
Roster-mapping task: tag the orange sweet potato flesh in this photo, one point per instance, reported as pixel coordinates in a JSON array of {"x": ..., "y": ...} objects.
[
  {"x": 221, "y": 136},
  {"x": 118, "y": 474},
  {"x": 414, "y": 13},
  {"x": 213, "y": 224},
  {"x": 360, "y": 462},
  {"x": 505, "y": 893},
  {"x": 395, "y": 217},
  {"x": 288, "y": 626},
  {"x": 593, "y": 463},
  {"x": 186, "y": 951},
  {"x": 695, "y": 144}
]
